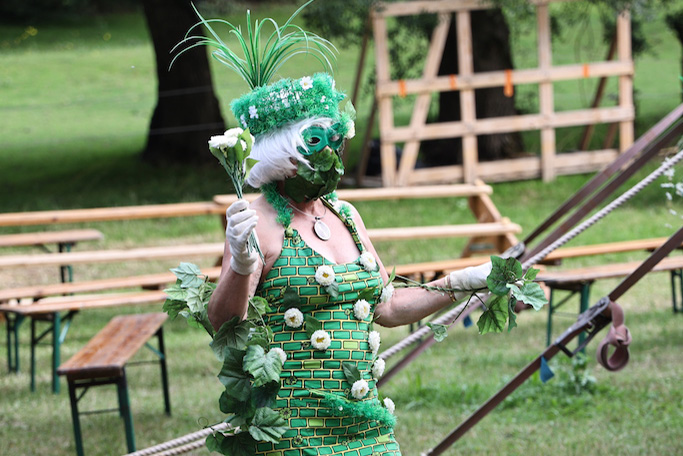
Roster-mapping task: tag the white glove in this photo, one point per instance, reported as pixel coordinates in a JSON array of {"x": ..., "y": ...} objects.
[
  {"x": 468, "y": 280},
  {"x": 241, "y": 223}
]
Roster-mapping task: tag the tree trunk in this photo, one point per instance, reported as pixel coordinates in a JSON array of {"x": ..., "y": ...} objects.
[
  {"x": 675, "y": 22},
  {"x": 491, "y": 51},
  {"x": 187, "y": 111}
]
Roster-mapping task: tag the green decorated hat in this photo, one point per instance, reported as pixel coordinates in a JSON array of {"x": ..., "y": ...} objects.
[{"x": 289, "y": 100}]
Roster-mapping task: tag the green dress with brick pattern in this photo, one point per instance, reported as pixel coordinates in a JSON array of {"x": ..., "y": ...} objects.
[{"x": 316, "y": 428}]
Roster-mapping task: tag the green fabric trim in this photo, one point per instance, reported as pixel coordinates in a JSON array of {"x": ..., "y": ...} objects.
[
  {"x": 289, "y": 100},
  {"x": 278, "y": 202}
]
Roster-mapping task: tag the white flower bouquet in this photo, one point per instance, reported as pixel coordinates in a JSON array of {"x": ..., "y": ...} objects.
[{"x": 232, "y": 150}]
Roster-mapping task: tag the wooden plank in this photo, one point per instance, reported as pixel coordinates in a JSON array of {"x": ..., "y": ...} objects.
[
  {"x": 107, "y": 256},
  {"x": 109, "y": 351},
  {"x": 489, "y": 79},
  {"x": 50, "y": 237},
  {"x": 444, "y": 266},
  {"x": 142, "y": 281},
  {"x": 606, "y": 248},
  {"x": 605, "y": 271},
  {"x": 547, "y": 103},
  {"x": 108, "y": 214},
  {"x": 68, "y": 303},
  {"x": 468, "y": 113},
  {"x": 509, "y": 124},
  {"x": 421, "y": 108},
  {"x": 625, "y": 82},
  {"x": 439, "y": 6},
  {"x": 395, "y": 193},
  {"x": 442, "y": 231}
]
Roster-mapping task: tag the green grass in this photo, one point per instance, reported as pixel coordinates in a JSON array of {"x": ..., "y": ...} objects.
[{"x": 76, "y": 100}]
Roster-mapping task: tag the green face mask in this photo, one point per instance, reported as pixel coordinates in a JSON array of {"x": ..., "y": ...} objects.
[{"x": 323, "y": 154}]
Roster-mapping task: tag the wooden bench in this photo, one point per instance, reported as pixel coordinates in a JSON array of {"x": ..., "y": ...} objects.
[
  {"x": 579, "y": 281},
  {"x": 103, "y": 360}
]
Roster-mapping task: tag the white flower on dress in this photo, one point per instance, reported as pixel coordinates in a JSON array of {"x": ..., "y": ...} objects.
[
  {"x": 321, "y": 339},
  {"x": 374, "y": 339},
  {"x": 280, "y": 352},
  {"x": 389, "y": 404},
  {"x": 351, "y": 129},
  {"x": 294, "y": 318},
  {"x": 361, "y": 309},
  {"x": 387, "y": 293},
  {"x": 378, "y": 368},
  {"x": 360, "y": 389},
  {"x": 324, "y": 275},
  {"x": 253, "y": 112},
  {"x": 367, "y": 260},
  {"x": 306, "y": 83}
]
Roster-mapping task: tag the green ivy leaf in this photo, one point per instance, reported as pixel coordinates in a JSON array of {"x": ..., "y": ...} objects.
[
  {"x": 176, "y": 292},
  {"x": 290, "y": 298},
  {"x": 230, "y": 405},
  {"x": 333, "y": 289},
  {"x": 503, "y": 272},
  {"x": 188, "y": 274},
  {"x": 173, "y": 307},
  {"x": 512, "y": 317},
  {"x": 494, "y": 317},
  {"x": 194, "y": 300},
  {"x": 257, "y": 308},
  {"x": 265, "y": 367},
  {"x": 267, "y": 426},
  {"x": 531, "y": 274},
  {"x": 312, "y": 325},
  {"x": 214, "y": 441},
  {"x": 233, "y": 333},
  {"x": 351, "y": 372},
  {"x": 367, "y": 293},
  {"x": 241, "y": 444},
  {"x": 440, "y": 331},
  {"x": 530, "y": 293},
  {"x": 265, "y": 395},
  {"x": 232, "y": 376}
]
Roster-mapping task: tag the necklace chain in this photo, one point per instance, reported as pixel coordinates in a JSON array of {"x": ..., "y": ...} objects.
[{"x": 315, "y": 217}]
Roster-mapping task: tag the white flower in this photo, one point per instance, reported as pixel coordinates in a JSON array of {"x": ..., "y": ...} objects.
[
  {"x": 378, "y": 368},
  {"x": 222, "y": 142},
  {"x": 232, "y": 136},
  {"x": 324, "y": 275},
  {"x": 679, "y": 189},
  {"x": 389, "y": 404},
  {"x": 320, "y": 339},
  {"x": 323, "y": 98},
  {"x": 306, "y": 83},
  {"x": 361, "y": 309},
  {"x": 253, "y": 112},
  {"x": 374, "y": 340},
  {"x": 243, "y": 121},
  {"x": 387, "y": 293},
  {"x": 294, "y": 318},
  {"x": 670, "y": 172},
  {"x": 281, "y": 353},
  {"x": 368, "y": 261},
  {"x": 351, "y": 130},
  {"x": 360, "y": 389}
]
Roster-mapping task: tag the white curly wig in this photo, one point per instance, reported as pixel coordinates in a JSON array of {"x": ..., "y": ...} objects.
[{"x": 275, "y": 151}]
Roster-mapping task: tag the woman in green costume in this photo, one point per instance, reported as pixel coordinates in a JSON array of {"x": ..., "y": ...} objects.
[{"x": 320, "y": 274}]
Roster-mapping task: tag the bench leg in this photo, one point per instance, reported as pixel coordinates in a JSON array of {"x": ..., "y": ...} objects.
[
  {"x": 549, "y": 326},
  {"x": 164, "y": 371},
  {"x": 56, "y": 350},
  {"x": 677, "y": 290},
  {"x": 13, "y": 322},
  {"x": 75, "y": 418},
  {"x": 583, "y": 306},
  {"x": 124, "y": 411}
]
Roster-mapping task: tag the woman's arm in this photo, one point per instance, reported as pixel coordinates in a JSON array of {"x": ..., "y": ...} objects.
[{"x": 408, "y": 305}]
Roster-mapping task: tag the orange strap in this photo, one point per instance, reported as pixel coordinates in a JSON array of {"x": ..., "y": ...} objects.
[
  {"x": 454, "y": 82},
  {"x": 402, "y": 88},
  {"x": 508, "y": 89},
  {"x": 586, "y": 71}
]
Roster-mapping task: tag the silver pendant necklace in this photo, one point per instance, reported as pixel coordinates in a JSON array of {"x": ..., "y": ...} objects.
[{"x": 319, "y": 227}]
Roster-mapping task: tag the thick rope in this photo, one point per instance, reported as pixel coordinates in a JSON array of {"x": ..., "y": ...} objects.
[
  {"x": 452, "y": 314},
  {"x": 182, "y": 444}
]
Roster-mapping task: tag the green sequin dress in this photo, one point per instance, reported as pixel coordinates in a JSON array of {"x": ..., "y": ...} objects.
[{"x": 315, "y": 427}]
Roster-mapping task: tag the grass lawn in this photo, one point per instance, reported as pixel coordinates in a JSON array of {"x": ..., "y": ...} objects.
[{"x": 75, "y": 102}]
